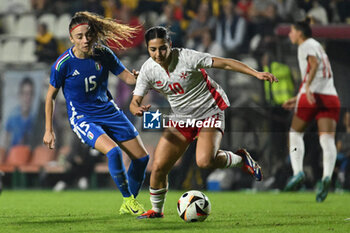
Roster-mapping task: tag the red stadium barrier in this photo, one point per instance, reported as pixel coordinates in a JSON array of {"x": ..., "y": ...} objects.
[{"x": 332, "y": 31}]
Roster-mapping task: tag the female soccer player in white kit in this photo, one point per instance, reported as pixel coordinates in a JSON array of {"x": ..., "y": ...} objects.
[
  {"x": 179, "y": 75},
  {"x": 317, "y": 99}
]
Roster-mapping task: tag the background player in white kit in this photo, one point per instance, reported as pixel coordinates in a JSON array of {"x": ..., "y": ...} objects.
[
  {"x": 317, "y": 99},
  {"x": 179, "y": 75}
]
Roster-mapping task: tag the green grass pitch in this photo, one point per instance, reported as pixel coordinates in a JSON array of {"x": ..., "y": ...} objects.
[{"x": 97, "y": 211}]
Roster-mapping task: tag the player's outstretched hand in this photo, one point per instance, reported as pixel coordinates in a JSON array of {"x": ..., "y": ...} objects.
[
  {"x": 135, "y": 73},
  {"x": 139, "y": 110},
  {"x": 266, "y": 76},
  {"x": 49, "y": 139}
]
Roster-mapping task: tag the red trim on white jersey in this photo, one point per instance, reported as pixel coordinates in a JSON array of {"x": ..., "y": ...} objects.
[
  {"x": 167, "y": 72},
  {"x": 305, "y": 76},
  {"x": 216, "y": 95}
]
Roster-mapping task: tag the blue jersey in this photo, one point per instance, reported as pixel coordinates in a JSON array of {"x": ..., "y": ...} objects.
[
  {"x": 84, "y": 81},
  {"x": 90, "y": 107}
]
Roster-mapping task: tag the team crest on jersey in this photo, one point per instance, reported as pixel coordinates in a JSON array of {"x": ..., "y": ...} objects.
[
  {"x": 98, "y": 66},
  {"x": 183, "y": 75},
  {"x": 90, "y": 135},
  {"x": 159, "y": 83}
]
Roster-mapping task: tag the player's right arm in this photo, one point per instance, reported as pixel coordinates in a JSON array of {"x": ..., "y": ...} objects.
[
  {"x": 313, "y": 66},
  {"x": 290, "y": 104},
  {"x": 135, "y": 106},
  {"x": 141, "y": 89},
  {"x": 49, "y": 136}
]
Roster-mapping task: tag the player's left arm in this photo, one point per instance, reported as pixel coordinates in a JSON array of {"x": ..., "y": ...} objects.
[
  {"x": 129, "y": 77},
  {"x": 136, "y": 107},
  {"x": 235, "y": 65}
]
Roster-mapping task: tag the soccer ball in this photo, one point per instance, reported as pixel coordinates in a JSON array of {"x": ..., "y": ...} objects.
[{"x": 193, "y": 206}]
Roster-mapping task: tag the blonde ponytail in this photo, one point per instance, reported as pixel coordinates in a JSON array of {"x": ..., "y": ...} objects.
[{"x": 105, "y": 29}]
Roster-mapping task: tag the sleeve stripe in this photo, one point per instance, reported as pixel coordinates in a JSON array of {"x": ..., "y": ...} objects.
[{"x": 61, "y": 60}]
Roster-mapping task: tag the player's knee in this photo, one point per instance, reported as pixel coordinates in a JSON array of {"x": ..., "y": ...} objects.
[
  {"x": 158, "y": 170},
  {"x": 327, "y": 142},
  {"x": 114, "y": 153},
  {"x": 205, "y": 163}
]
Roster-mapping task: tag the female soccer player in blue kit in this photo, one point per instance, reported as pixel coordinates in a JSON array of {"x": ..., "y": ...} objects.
[{"x": 82, "y": 72}]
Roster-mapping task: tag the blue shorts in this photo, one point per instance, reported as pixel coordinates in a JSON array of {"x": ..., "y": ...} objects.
[{"x": 116, "y": 125}]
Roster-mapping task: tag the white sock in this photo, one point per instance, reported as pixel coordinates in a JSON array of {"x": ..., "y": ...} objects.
[
  {"x": 329, "y": 154},
  {"x": 158, "y": 199},
  {"x": 296, "y": 150},
  {"x": 232, "y": 160}
]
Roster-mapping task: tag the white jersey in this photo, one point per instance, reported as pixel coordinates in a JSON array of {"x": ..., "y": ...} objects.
[
  {"x": 323, "y": 80},
  {"x": 186, "y": 85}
]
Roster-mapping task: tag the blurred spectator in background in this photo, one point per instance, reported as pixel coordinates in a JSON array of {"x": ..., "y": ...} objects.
[
  {"x": 146, "y": 5},
  {"x": 125, "y": 15},
  {"x": 289, "y": 11},
  {"x": 344, "y": 11},
  {"x": 279, "y": 118},
  {"x": 257, "y": 12},
  {"x": 20, "y": 123},
  {"x": 286, "y": 10},
  {"x": 343, "y": 156},
  {"x": 276, "y": 95},
  {"x": 231, "y": 31},
  {"x": 243, "y": 7},
  {"x": 64, "y": 136},
  {"x": 191, "y": 7},
  {"x": 92, "y": 6},
  {"x": 38, "y": 5},
  {"x": 318, "y": 13},
  {"x": 59, "y": 7},
  {"x": 168, "y": 20},
  {"x": 15, "y": 7},
  {"x": 209, "y": 45},
  {"x": 46, "y": 45},
  {"x": 110, "y": 7},
  {"x": 265, "y": 19},
  {"x": 185, "y": 11},
  {"x": 79, "y": 165},
  {"x": 203, "y": 21}
]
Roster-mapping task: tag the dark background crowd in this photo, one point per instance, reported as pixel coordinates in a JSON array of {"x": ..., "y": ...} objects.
[{"x": 33, "y": 33}]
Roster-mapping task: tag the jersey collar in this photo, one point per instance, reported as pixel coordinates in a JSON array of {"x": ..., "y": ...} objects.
[{"x": 71, "y": 52}]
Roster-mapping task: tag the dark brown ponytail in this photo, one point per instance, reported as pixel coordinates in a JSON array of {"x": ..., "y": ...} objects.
[{"x": 304, "y": 27}]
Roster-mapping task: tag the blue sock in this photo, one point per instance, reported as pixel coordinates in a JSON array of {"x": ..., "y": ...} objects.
[
  {"x": 117, "y": 171},
  {"x": 137, "y": 173}
]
